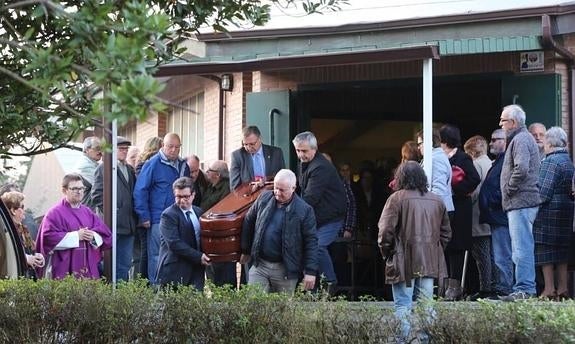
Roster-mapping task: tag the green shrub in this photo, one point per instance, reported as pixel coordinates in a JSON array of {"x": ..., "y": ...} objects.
[{"x": 72, "y": 311}]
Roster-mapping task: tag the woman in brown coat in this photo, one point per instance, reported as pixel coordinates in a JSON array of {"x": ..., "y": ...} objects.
[{"x": 413, "y": 232}]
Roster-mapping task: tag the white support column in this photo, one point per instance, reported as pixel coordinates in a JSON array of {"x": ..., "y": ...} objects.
[
  {"x": 114, "y": 197},
  {"x": 427, "y": 116}
]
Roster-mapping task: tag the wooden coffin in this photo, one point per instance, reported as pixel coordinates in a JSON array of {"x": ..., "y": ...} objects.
[{"x": 221, "y": 225}]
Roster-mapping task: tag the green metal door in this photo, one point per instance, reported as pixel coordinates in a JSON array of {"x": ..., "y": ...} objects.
[
  {"x": 270, "y": 111},
  {"x": 539, "y": 95}
]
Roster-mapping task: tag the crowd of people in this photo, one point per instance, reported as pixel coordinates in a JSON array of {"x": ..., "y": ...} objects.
[{"x": 511, "y": 215}]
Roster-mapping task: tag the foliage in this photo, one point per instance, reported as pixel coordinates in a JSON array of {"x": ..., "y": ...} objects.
[
  {"x": 72, "y": 311},
  {"x": 67, "y": 64}
]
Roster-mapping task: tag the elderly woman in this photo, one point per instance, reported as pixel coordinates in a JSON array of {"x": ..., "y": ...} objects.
[
  {"x": 476, "y": 148},
  {"x": 14, "y": 201},
  {"x": 71, "y": 236},
  {"x": 413, "y": 232},
  {"x": 461, "y": 223},
  {"x": 553, "y": 226}
]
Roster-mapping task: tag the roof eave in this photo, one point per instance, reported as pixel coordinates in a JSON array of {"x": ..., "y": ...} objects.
[
  {"x": 391, "y": 25},
  {"x": 303, "y": 61}
]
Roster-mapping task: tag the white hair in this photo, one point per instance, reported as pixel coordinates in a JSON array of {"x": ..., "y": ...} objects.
[
  {"x": 286, "y": 176},
  {"x": 556, "y": 137},
  {"x": 516, "y": 113}
]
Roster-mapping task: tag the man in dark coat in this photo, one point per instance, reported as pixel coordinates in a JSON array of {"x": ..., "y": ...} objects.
[
  {"x": 126, "y": 216},
  {"x": 491, "y": 212},
  {"x": 279, "y": 236},
  {"x": 181, "y": 259},
  {"x": 321, "y": 187},
  {"x": 254, "y": 161}
]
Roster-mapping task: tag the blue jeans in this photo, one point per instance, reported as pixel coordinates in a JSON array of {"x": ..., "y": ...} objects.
[
  {"x": 326, "y": 234},
  {"x": 403, "y": 296},
  {"x": 501, "y": 246},
  {"x": 522, "y": 248},
  {"x": 124, "y": 255},
  {"x": 153, "y": 252}
]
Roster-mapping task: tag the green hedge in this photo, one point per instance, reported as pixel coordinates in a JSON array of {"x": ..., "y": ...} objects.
[{"x": 71, "y": 311}]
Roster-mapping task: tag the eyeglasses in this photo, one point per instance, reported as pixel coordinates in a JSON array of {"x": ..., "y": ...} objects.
[
  {"x": 210, "y": 170},
  {"x": 123, "y": 148},
  {"x": 494, "y": 139},
  {"x": 77, "y": 189},
  {"x": 173, "y": 146},
  {"x": 504, "y": 120},
  {"x": 183, "y": 196}
]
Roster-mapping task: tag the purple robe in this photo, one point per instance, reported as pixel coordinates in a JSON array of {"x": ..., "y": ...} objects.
[{"x": 80, "y": 262}]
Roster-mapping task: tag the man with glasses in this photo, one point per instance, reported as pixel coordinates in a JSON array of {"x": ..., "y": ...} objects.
[
  {"x": 218, "y": 187},
  {"x": 254, "y": 161},
  {"x": 152, "y": 193},
  {"x": 181, "y": 261},
  {"x": 125, "y": 216},
  {"x": 520, "y": 198},
  {"x": 71, "y": 237},
  {"x": 491, "y": 213},
  {"x": 538, "y": 131}
]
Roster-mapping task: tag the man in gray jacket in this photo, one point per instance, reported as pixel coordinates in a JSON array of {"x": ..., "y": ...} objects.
[{"x": 520, "y": 198}]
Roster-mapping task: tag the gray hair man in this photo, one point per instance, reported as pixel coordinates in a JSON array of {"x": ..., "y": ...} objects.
[
  {"x": 87, "y": 164},
  {"x": 538, "y": 131},
  {"x": 255, "y": 161},
  {"x": 321, "y": 187},
  {"x": 279, "y": 235},
  {"x": 520, "y": 197}
]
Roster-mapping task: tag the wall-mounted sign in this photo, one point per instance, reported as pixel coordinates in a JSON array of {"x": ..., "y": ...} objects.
[{"x": 532, "y": 61}]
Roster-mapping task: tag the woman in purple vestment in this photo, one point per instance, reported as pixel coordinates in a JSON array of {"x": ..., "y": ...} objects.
[{"x": 71, "y": 237}]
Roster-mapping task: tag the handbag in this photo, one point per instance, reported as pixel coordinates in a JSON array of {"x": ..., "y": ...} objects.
[{"x": 457, "y": 175}]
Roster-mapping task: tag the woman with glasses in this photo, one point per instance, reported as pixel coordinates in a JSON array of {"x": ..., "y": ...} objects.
[
  {"x": 71, "y": 236},
  {"x": 14, "y": 201}
]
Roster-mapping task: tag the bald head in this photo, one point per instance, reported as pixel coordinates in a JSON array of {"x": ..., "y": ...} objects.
[{"x": 172, "y": 145}]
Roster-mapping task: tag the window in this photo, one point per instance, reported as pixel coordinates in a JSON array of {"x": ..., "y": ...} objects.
[{"x": 187, "y": 120}]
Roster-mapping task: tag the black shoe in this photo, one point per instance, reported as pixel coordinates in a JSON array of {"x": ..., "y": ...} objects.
[{"x": 483, "y": 295}]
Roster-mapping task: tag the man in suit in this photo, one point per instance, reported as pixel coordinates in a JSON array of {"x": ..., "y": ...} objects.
[
  {"x": 181, "y": 260},
  {"x": 254, "y": 161},
  {"x": 126, "y": 217}
]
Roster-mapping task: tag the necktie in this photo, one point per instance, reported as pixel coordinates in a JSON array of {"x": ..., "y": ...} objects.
[{"x": 195, "y": 227}]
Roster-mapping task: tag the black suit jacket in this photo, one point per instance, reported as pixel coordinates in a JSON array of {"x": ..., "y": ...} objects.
[
  {"x": 126, "y": 218},
  {"x": 242, "y": 170},
  {"x": 180, "y": 257}
]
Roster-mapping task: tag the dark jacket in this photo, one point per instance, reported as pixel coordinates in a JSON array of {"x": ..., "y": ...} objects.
[
  {"x": 490, "y": 209},
  {"x": 299, "y": 235},
  {"x": 461, "y": 224},
  {"x": 321, "y": 187},
  {"x": 180, "y": 257},
  {"x": 242, "y": 169},
  {"x": 520, "y": 171},
  {"x": 215, "y": 193},
  {"x": 413, "y": 232},
  {"x": 126, "y": 216}
]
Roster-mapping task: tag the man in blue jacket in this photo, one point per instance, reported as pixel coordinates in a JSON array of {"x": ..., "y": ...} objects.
[
  {"x": 279, "y": 237},
  {"x": 153, "y": 193},
  {"x": 491, "y": 212}
]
